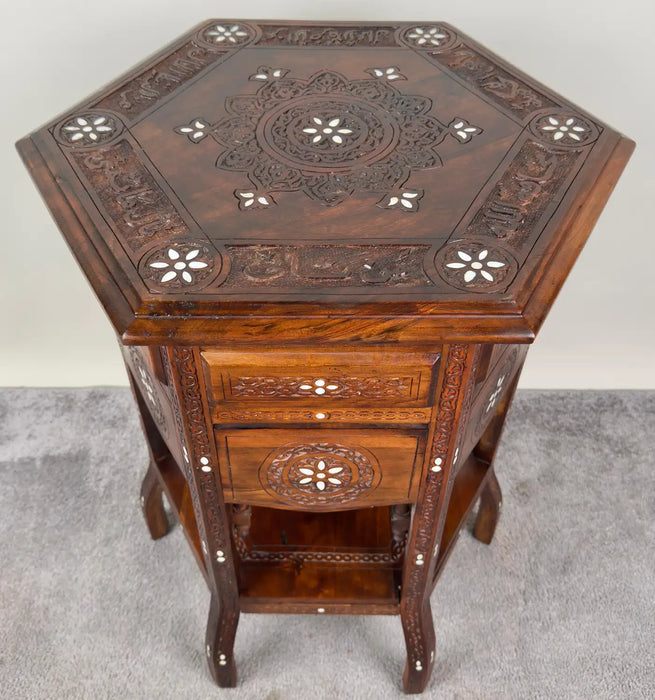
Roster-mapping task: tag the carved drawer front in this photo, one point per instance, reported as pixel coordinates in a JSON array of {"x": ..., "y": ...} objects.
[
  {"x": 319, "y": 380},
  {"x": 320, "y": 469}
]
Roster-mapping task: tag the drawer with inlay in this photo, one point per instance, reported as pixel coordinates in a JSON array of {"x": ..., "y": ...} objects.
[
  {"x": 320, "y": 469},
  {"x": 320, "y": 381}
]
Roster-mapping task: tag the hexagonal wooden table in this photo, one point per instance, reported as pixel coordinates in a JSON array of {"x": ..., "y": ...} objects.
[{"x": 325, "y": 249}]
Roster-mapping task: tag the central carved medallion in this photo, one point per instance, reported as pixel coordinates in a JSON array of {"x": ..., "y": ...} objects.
[
  {"x": 329, "y": 137},
  {"x": 319, "y": 473}
]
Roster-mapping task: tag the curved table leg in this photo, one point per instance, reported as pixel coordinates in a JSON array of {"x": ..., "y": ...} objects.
[
  {"x": 491, "y": 501},
  {"x": 152, "y": 504},
  {"x": 221, "y": 631},
  {"x": 420, "y": 641}
]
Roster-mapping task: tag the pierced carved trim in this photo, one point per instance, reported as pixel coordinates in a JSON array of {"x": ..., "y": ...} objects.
[
  {"x": 297, "y": 557},
  {"x": 357, "y": 415},
  {"x": 327, "y": 387}
]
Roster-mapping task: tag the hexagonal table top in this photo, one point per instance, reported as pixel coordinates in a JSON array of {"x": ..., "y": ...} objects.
[{"x": 293, "y": 170}]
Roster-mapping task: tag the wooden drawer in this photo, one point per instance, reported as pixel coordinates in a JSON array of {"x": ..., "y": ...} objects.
[
  {"x": 320, "y": 469},
  {"x": 319, "y": 380}
]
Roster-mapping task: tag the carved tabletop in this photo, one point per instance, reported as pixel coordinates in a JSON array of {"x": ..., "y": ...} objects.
[{"x": 266, "y": 169}]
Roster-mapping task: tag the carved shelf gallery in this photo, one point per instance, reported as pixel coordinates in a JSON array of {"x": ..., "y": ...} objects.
[{"x": 324, "y": 248}]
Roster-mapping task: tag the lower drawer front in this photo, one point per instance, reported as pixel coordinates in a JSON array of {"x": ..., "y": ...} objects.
[{"x": 320, "y": 469}]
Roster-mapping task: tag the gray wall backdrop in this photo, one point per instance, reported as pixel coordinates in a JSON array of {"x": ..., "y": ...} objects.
[{"x": 601, "y": 332}]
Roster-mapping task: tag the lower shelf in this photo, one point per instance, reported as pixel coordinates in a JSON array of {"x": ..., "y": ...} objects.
[{"x": 297, "y": 561}]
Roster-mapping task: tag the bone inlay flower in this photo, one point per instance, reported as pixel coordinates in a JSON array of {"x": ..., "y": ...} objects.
[
  {"x": 427, "y": 36},
  {"x": 328, "y": 129},
  {"x": 86, "y": 129},
  {"x": 320, "y": 475},
  {"x": 476, "y": 266},
  {"x": 564, "y": 129},
  {"x": 233, "y": 34},
  {"x": 178, "y": 265}
]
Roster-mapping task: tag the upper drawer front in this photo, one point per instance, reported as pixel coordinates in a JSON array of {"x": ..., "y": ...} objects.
[{"x": 320, "y": 379}]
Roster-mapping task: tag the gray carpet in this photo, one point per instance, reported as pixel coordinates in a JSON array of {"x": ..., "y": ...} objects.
[{"x": 559, "y": 606}]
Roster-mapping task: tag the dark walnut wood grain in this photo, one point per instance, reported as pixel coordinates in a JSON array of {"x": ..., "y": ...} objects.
[{"x": 324, "y": 249}]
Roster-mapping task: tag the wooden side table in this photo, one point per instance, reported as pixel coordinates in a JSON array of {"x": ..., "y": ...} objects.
[{"x": 324, "y": 249}]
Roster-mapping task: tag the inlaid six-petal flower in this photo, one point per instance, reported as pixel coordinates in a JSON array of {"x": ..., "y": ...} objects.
[
  {"x": 560, "y": 128},
  {"x": 327, "y": 129},
  {"x": 425, "y": 36},
  {"x": 179, "y": 265},
  {"x": 233, "y": 34},
  {"x": 87, "y": 129},
  {"x": 320, "y": 475},
  {"x": 475, "y": 266}
]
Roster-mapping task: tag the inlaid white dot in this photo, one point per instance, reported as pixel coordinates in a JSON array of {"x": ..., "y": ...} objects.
[
  {"x": 320, "y": 610},
  {"x": 419, "y": 666},
  {"x": 220, "y": 556},
  {"x": 419, "y": 559},
  {"x": 437, "y": 464},
  {"x": 320, "y": 390},
  {"x": 319, "y": 416},
  {"x": 205, "y": 464}
]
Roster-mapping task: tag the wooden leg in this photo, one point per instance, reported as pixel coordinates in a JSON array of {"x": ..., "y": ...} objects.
[
  {"x": 420, "y": 641},
  {"x": 491, "y": 501},
  {"x": 221, "y": 631},
  {"x": 152, "y": 504},
  {"x": 491, "y": 498}
]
